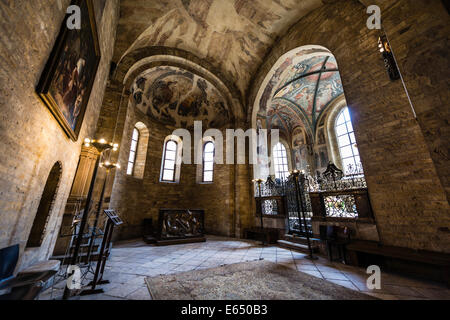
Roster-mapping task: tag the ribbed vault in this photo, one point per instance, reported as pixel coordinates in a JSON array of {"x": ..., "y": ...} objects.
[{"x": 298, "y": 90}]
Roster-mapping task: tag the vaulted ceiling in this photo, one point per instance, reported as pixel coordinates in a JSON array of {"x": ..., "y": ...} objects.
[
  {"x": 178, "y": 97},
  {"x": 308, "y": 87},
  {"x": 299, "y": 88},
  {"x": 233, "y": 36}
]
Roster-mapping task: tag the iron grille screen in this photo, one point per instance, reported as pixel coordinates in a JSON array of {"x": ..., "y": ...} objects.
[
  {"x": 270, "y": 207},
  {"x": 341, "y": 206}
]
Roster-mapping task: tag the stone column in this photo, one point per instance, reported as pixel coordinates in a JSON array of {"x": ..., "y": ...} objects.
[
  {"x": 77, "y": 198},
  {"x": 244, "y": 212}
]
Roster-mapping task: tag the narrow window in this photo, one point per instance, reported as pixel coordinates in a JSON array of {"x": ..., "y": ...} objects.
[
  {"x": 170, "y": 158},
  {"x": 133, "y": 151},
  {"x": 346, "y": 141},
  {"x": 208, "y": 162},
  {"x": 280, "y": 161}
]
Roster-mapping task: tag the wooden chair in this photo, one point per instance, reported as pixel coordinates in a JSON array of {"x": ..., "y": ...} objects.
[{"x": 27, "y": 284}]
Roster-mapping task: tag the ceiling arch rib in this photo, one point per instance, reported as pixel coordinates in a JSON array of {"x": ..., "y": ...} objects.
[
  {"x": 231, "y": 35},
  {"x": 307, "y": 82}
]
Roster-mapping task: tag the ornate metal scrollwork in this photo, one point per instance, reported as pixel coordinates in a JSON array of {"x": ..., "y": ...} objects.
[
  {"x": 341, "y": 206},
  {"x": 334, "y": 179},
  {"x": 270, "y": 207}
]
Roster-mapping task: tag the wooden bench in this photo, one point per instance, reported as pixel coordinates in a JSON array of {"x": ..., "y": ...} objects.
[
  {"x": 267, "y": 235},
  {"x": 438, "y": 261}
]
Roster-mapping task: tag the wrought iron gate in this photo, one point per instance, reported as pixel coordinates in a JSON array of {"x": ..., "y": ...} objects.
[{"x": 297, "y": 205}]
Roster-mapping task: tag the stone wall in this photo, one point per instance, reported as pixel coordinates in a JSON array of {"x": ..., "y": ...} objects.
[
  {"x": 409, "y": 201},
  {"x": 31, "y": 140},
  {"x": 420, "y": 43},
  {"x": 137, "y": 199}
]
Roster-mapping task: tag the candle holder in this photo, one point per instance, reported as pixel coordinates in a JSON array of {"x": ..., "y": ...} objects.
[{"x": 259, "y": 182}]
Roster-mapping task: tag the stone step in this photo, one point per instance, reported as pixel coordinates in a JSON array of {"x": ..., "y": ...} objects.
[
  {"x": 297, "y": 246},
  {"x": 150, "y": 239},
  {"x": 300, "y": 240},
  {"x": 179, "y": 241},
  {"x": 82, "y": 257}
]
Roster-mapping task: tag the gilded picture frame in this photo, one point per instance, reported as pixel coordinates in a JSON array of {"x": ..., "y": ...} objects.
[{"x": 67, "y": 80}]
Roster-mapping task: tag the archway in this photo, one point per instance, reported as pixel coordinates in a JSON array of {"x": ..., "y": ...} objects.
[
  {"x": 297, "y": 96},
  {"x": 38, "y": 229}
]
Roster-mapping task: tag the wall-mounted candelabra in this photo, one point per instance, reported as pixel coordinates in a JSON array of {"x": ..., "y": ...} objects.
[{"x": 388, "y": 58}]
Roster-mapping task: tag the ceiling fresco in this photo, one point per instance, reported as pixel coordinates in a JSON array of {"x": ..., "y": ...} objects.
[
  {"x": 284, "y": 117},
  {"x": 178, "y": 97},
  {"x": 231, "y": 35},
  {"x": 303, "y": 85}
]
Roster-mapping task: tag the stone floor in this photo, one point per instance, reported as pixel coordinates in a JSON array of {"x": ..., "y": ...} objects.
[{"x": 132, "y": 261}]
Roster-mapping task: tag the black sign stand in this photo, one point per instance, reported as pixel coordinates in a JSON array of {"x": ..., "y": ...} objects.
[{"x": 113, "y": 220}]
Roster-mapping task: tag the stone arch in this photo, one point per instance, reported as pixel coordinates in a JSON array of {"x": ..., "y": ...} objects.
[
  {"x": 179, "y": 154},
  {"x": 139, "y": 60},
  {"x": 329, "y": 120},
  {"x": 288, "y": 148},
  {"x": 201, "y": 147},
  {"x": 46, "y": 206},
  {"x": 355, "y": 49},
  {"x": 296, "y": 93},
  {"x": 142, "y": 148}
]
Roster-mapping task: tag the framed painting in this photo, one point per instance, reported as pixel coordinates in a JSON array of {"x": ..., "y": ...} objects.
[{"x": 66, "y": 83}]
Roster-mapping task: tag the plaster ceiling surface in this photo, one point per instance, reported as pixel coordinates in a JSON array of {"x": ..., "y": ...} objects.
[
  {"x": 177, "y": 97},
  {"x": 231, "y": 35},
  {"x": 300, "y": 89}
]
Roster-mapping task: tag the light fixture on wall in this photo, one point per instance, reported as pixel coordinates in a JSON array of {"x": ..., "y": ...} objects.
[{"x": 388, "y": 58}]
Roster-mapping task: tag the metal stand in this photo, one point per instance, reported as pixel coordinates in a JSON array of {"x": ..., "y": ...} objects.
[
  {"x": 101, "y": 147},
  {"x": 97, "y": 216},
  {"x": 83, "y": 223},
  {"x": 113, "y": 220},
  {"x": 301, "y": 207},
  {"x": 263, "y": 236}
]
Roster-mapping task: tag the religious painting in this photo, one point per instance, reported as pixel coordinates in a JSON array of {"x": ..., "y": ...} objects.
[
  {"x": 298, "y": 138},
  {"x": 262, "y": 170},
  {"x": 69, "y": 75},
  {"x": 301, "y": 158},
  {"x": 321, "y": 136},
  {"x": 262, "y": 139},
  {"x": 323, "y": 154}
]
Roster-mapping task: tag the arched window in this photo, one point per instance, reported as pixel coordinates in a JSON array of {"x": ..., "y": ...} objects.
[
  {"x": 133, "y": 151},
  {"x": 170, "y": 161},
  {"x": 208, "y": 162},
  {"x": 348, "y": 149},
  {"x": 280, "y": 161}
]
